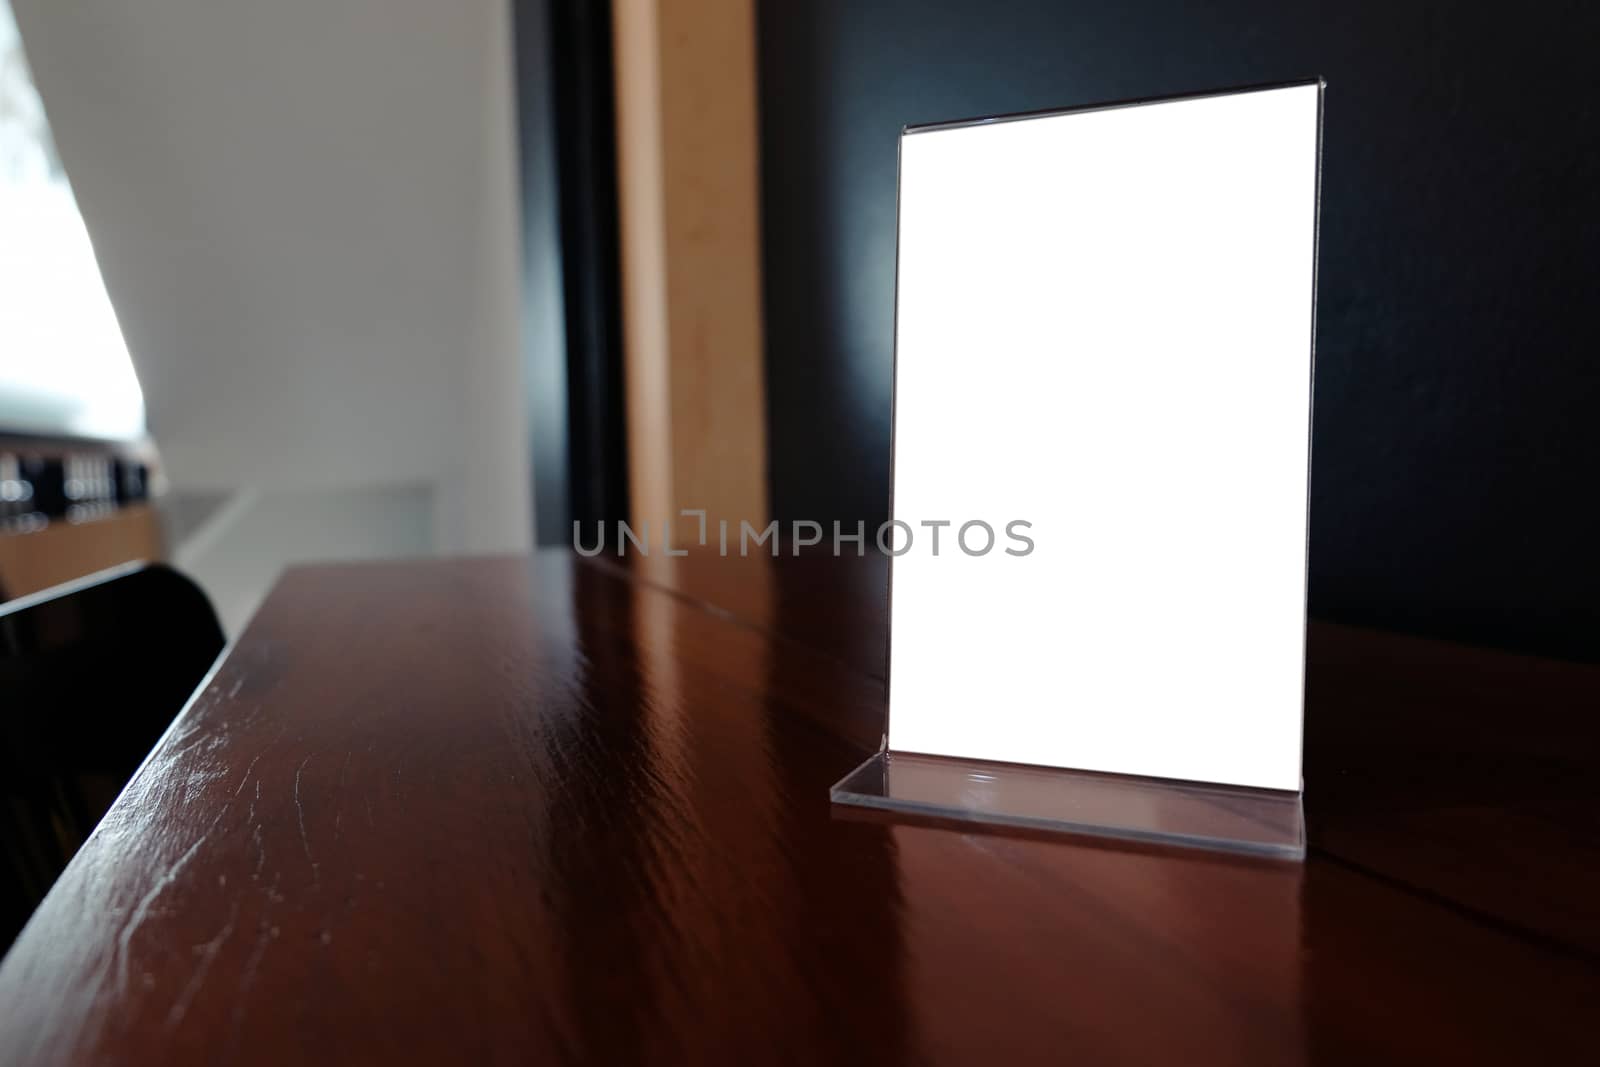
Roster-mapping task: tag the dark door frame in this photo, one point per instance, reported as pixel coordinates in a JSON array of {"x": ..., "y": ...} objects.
[{"x": 572, "y": 320}]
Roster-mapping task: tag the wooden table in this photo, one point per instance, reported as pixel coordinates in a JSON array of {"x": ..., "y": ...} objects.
[{"x": 564, "y": 810}]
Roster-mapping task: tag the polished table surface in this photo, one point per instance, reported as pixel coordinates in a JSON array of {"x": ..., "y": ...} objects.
[{"x": 564, "y": 810}]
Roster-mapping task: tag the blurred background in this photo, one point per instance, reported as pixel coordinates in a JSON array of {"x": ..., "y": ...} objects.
[{"x": 364, "y": 278}]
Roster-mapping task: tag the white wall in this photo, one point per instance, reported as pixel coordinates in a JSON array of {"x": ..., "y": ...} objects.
[
  {"x": 239, "y": 549},
  {"x": 305, "y": 212}
]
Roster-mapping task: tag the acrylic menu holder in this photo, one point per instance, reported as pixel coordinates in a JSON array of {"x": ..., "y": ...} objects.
[
  {"x": 1103, "y": 367},
  {"x": 1264, "y": 822}
]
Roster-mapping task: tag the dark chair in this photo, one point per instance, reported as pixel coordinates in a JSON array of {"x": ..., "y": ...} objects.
[{"x": 91, "y": 674}]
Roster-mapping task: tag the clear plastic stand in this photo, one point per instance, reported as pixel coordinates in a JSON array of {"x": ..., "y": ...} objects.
[
  {"x": 1104, "y": 326},
  {"x": 1198, "y": 815}
]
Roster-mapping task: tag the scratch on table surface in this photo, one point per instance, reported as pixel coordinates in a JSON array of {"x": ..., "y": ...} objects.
[
  {"x": 236, "y": 687},
  {"x": 246, "y": 779},
  {"x": 142, "y": 909},
  {"x": 300, "y": 811},
  {"x": 265, "y": 934},
  {"x": 261, "y": 854},
  {"x": 208, "y": 954},
  {"x": 185, "y": 727},
  {"x": 338, "y": 814}
]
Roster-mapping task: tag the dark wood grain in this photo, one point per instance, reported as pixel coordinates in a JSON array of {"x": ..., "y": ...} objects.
[
  {"x": 576, "y": 811},
  {"x": 1465, "y": 774}
]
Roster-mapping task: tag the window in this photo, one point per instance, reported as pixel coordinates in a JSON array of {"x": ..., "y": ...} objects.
[{"x": 64, "y": 368}]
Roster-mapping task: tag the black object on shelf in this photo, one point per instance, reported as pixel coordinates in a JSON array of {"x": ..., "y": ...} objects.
[{"x": 93, "y": 672}]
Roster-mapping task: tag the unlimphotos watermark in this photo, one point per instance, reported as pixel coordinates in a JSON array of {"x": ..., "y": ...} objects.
[{"x": 973, "y": 537}]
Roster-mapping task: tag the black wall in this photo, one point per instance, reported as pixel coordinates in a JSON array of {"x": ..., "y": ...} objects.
[{"x": 1456, "y": 453}]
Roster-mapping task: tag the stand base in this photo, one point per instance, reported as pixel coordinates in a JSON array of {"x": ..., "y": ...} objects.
[{"x": 1188, "y": 814}]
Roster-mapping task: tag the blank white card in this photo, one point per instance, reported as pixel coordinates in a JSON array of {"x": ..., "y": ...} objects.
[{"x": 1104, "y": 331}]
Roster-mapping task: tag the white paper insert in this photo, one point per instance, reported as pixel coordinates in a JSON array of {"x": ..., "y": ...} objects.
[{"x": 1104, "y": 329}]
